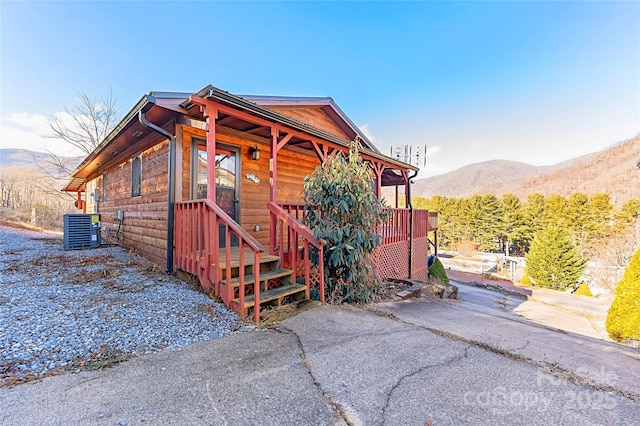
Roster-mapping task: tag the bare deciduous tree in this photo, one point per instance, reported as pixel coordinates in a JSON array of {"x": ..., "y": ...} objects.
[
  {"x": 87, "y": 124},
  {"x": 614, "y": 256},
  {"x": 82, "y": 128}
]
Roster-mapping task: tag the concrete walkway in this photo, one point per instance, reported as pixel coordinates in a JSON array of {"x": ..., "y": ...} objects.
[
  {"x": 581, "y": 314},
  {"x": 410, "y": 363}
]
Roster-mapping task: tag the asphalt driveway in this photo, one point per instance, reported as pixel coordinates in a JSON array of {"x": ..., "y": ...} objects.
[{"x": 410, "y": 363}]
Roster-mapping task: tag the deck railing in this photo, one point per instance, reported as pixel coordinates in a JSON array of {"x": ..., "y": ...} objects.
[
  {"x": 433, "y": 221},
  {"x": 295, "y": 210},
  {"x": 396, "y": 228},
  {"x": 197, "y": 250},
  {"x": 290, "y": 239}
]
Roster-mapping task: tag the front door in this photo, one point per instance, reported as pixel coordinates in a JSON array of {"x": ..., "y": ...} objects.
[{"x": 226, "y": 164}]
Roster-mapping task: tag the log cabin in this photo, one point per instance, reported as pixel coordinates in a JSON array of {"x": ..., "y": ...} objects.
[{"x": 242, "y": 235}]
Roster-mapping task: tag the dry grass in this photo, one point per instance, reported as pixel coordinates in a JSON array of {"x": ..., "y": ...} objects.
[{"x": 271, "y": 316}]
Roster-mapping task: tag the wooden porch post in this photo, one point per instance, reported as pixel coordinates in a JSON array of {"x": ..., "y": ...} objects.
[
  {"x": 80, "y": 203},
  {"x": 272, "y": 165},
  {"x": 212, "y": 115},
  {"x": 407, "y": 204},
  {"x": 273, "y": 154},
  {"x": 378, "y": 168}
]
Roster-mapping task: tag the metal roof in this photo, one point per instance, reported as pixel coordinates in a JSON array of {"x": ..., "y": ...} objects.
[
  {"x": 276, "y": 117},
  {"x": 166, "y": 105}
]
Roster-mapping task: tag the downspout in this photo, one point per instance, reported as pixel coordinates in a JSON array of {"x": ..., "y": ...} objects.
[
  {"x": 172, "y": 186},
  {"x": 410, "y": 222}
]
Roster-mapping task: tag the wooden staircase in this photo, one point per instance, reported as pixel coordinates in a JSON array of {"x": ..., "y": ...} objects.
[
  {"x": 236, "y": 274},
  {"x": 275, "y": 282}
]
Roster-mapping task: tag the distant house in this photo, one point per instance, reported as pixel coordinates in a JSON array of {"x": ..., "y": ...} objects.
[{"x": 150, "y": 180}]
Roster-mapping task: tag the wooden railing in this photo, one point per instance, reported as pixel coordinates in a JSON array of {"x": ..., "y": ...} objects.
[
  {"x": 289, "y": 236},
  {"x": 421, "y": 226},
  {"x": 433, "y": 221},
  {"x": 197, "y": 250},
  {"x": 396, "y": 228},
  {"x": 295, "y": 210}
]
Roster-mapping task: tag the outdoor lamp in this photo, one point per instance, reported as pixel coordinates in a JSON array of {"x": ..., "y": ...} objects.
[{"x": 255, "y": 152}]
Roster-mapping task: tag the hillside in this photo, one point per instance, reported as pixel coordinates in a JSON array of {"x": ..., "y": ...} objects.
[
  {"x": 477, "y": 178},
  {"x": 22, "y": 159},
  {"x": 611, "y": 170}
]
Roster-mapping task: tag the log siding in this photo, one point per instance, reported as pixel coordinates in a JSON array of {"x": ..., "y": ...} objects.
[
  {"x": 144, "y": 224},
  {"x": 292, "y": 167}
]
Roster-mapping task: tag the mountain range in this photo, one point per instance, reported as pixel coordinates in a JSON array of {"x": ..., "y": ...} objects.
[
  {"x": 612, "y": 170},
  {"x": 16, "y": 159}
]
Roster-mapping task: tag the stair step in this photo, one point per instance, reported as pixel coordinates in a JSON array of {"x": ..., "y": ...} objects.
[
  {"x": 248, "y": 260},
  {"x": 275, "y": 293},
  {"x": 267, "y": 275}
]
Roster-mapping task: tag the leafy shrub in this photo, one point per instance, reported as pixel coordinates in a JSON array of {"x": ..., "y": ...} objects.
[
  {"x": 343, "y": 210},
  {"x": 623, "y": 319},
  {"x": 583, "y": 290},
  {"x": 553, "y": 261},
  {"x": 437, "y": 271}
]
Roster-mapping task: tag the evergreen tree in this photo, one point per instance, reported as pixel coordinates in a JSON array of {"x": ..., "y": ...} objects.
[
  {"x": 601, "y": 224},
  {"x": 631, "y": 210},
  {"x": 576, "y": 217},
  {"x": 447, "y": 218},
  {"x": 534, "y": 216},
  {"x": 623, "y": 319},
  {"x": 553, "y": 261},
  {"x": 554, "y": 206},
  {"x": 492, "y": 225},
  {"x": 482, "y": 220},
  {"x": 513, "y": 218},
  {"x": 449, "y": 221},
  {"x": 343, "y": 210}
]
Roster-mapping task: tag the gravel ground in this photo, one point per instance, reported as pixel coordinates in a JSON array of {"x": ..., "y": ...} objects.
[{"x": 69, "y": 310}]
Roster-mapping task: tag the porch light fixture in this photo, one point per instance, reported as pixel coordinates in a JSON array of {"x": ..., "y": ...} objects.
[{"x": 255, "y": 153}]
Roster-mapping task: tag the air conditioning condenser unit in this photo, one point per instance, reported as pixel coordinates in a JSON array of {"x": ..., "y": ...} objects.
[{"x": 81, "y": 231}]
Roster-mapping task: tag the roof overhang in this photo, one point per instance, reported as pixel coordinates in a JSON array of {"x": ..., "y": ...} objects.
[
  {"x": 326, "y": 105},
  {"x": 128, "y": 136},
  {"x": 242, "y": 104}
]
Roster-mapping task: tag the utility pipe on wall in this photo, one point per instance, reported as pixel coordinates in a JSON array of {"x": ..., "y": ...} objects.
[
  {"x": 172, "y": 185},
  {"x": 408, "y": 192}
]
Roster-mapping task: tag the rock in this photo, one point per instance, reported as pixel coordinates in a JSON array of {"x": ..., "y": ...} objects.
[{"x": 441, "y": 290}]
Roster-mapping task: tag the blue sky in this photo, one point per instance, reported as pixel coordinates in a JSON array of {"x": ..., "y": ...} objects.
[{"x": 539, "y": 82}]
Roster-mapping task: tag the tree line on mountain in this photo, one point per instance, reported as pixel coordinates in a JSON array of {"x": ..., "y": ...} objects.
[
  {"x": 508, "y": 223},
  {"x": 557, "y": 235}
]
